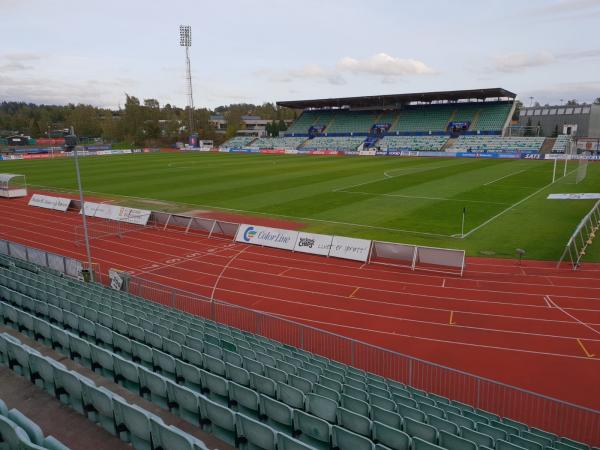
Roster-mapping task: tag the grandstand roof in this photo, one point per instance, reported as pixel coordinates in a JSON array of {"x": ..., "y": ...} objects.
[{"x": 398, "y": 99}]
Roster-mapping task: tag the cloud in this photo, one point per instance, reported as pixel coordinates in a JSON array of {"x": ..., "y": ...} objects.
[
  {"x": 385, "y": 65},
  {"x": 381, "y": 64},
  {"x": 562, "y": 7},
  {"x": 516, "y": 62},
  {"x": 519, "y": 62},
  {"x": 15, "y": 62}
]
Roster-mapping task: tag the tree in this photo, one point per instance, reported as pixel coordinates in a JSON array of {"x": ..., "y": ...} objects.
[
  {"x": 555, "y": 132},
  {"x": 572, "y": 102},
  {"x": 597, "y": 101},
  {"x": 528, "y": 131},
  {"x": 517, "y": 113},
  {"x": 540, "y": 129}
]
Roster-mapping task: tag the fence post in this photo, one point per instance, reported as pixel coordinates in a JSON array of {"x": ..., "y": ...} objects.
[
  {"x": 173, "y": 298},
  {"x": 477, "y": 400},
  {"x": 410, "y": 371},
  {"x": 302, "y": 338},
  {"x": 352, "y": 352}
]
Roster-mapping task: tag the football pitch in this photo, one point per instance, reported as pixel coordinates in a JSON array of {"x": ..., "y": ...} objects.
[{"x": 410, "y": 200}]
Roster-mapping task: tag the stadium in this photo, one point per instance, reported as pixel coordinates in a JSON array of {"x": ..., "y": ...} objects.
[{"x": 410, "y": 271}]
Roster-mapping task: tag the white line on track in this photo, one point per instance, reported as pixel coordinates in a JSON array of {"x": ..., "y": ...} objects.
[
  {"x": 505, "y": 176},
  {"x": 573, "y": 317}
]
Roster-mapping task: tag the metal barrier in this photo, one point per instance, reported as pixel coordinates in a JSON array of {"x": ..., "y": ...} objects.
[
  {"x": 540, "y": 411},
  {"x": 582, "y": 237},
  {"x": 58, "y": 263}
]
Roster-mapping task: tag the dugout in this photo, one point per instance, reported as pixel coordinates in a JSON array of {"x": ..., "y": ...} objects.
[{"x": 12, "y": 185}]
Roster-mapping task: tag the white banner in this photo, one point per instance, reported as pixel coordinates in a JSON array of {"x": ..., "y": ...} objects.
[
  {"x": 45, "y": 201},
  {"x": 350, "y": 248},
  {"x": 105, "y": 211},
  {"x": 367, "y": 152},
  {"x": 90, "y": 209},
  {"x": 291, "y": 151},
  {"x": 132, "y": 215},
  {"x": 587, "y": 196},
  {"x": 317, "y": 244},
  {"x": 269, "y": 237}
]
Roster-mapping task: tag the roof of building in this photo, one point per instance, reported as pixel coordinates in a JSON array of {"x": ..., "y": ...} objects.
[{"x": 399, "y": 99}]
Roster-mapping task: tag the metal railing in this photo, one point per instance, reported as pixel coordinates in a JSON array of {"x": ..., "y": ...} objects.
[{"x": 536, "y": 410}]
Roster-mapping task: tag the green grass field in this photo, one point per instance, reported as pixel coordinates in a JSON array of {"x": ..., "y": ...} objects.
[{"x": 412, "y": 200}]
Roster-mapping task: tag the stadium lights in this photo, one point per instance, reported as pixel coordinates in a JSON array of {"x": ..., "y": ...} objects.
[
  {"x": 185, "y": 40},
  {"x": 71, "y": 142}
]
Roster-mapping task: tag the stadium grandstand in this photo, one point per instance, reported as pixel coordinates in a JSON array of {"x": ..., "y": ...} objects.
[{"x": 454, "y": 121}]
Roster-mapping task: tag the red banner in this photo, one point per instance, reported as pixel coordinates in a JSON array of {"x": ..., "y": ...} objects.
[{"x": 273, "y": 151}]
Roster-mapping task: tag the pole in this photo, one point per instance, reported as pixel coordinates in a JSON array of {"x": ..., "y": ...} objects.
[
  {"x": 554, "y": 171},
  {"x": 83, "y": 215},
  {"x": 189, "y": 87},
  {"x": 566, "y": 160},
  {"x": 462, "y": 227}
]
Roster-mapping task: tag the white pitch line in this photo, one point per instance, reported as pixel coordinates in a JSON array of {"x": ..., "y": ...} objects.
[
  {"x": 491, "y": 219},
  {"x": 505, "y": 176},
  {"x": 422, "y": 197}
]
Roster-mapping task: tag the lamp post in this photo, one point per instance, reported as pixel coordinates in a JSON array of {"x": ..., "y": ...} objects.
[{"x": 71, "y": 144}]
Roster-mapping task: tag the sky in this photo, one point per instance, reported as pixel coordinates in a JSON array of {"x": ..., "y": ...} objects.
[{"x": 93, "y": 52}]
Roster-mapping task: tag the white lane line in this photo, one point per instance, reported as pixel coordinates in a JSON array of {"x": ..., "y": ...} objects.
[
  {"x": 505, "y": 176},
  {"x": 547, "y": 300},
  {"x": 572, "y": 316}
]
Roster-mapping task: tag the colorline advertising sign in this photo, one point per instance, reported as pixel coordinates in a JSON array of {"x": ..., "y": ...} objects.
[
  {"x": 45, "y": 201},
  {"x": 269, "y": 237}
]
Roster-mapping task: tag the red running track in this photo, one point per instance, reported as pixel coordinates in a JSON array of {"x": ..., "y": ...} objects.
[{"x": 531, "y": 326}]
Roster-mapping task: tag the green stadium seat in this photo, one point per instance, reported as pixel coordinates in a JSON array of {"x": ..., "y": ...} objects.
[
  {"x": 420, "y": 444},
  {"x": 185, "y": 403},
  {"x": 573, "y": 443},
  {"x": 244, "y": 400},
  {"x": 222, "y": 421},
  {"x": 544, "y": 441},
  {"x": 34, "y": 432},
  {"x": 392, "y": 438},
  {"x": 290, "y": 395},
  {"x": 278, "y": 415},
  {"x": 12, "y": 435},
  {"x": 322, "y": 407},
  {"x": 164, "y": 364},
  {"x": 42, "y": 372},
  {"x": 479, "y": 438},
  {"x": 461, "y": 421},
  {"x": 354, "y": 422},
  {"x": 421, "y": 430},
  {"x": 69, "y": 388},
  {"x": 285, "y": 442},
  {"x": 153, "y": 387},
  {"x": 454, "y": 442},
  {"x": 80, "y": 351},
  {"x": 104, "y": 337},
  {"x": 99, "y": 405},
  {"x": 300, "y": 383},
  {"x": 127, "y": 374},
  {"x": 170, "y": 437},
  {"x": 133, "y": 424},
  {"x": 326, "y": 392},
  {"x": 504, "y": 445},
  {"x": 413, "y": 413},
  {"x": 3, "y": 408},
  {"x": 51, "y": 443},
  {"x": 493, "y": 432},
  {"x": 215, "y": 386},
  {"x": 443, "y": 424},
  {"x": 254, "y": 366},
  {"x": 192, "y": 356},
  {"x": 347, "y": 440},
  {"x": 263, "y": 385},
  {"x": 355, "y": 405},
  {"x": 432, "y": 410},
  {"x": 505, "y": 427},
  {"x": 405, "y": 400},
  {"x": 102, "y": 361},
  {"x": 312, "y": 430},
  {"x": 525, "y": 443},
  {"x": 122, "y": 346},
  {"x": 142, "y": 354},
  {"x": 389, "y": 418},
  {"x": 257, "y": 435},
  {"x": 237, "y": 374}
]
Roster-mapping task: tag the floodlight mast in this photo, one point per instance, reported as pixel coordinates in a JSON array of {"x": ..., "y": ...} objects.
[{"x": 185, "y": 40}]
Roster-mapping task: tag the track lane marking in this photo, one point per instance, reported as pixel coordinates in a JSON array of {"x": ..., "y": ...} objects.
[{"x": 585, "y": 350}]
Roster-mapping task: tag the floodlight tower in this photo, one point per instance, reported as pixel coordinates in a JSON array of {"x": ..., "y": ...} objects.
[{"x": 185, "y": 40}]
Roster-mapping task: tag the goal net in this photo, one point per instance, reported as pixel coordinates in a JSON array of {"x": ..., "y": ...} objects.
[{"x": 581, "y": 170}]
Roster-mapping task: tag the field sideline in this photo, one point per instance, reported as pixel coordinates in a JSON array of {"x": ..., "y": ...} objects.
[{"x": 413, "y": 200}]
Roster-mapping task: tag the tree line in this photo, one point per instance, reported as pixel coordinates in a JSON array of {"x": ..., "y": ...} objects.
[{"x": 139, "y": 122}]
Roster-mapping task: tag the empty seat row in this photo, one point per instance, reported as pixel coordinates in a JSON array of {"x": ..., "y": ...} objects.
[
  {"x": 18, "y": 432},
  {"x": 110, "y": 411}
]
